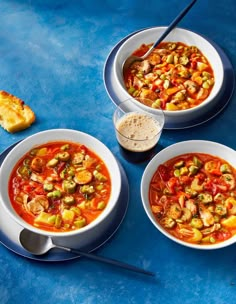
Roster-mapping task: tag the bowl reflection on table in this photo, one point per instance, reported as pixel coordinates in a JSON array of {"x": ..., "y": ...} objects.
[
  {"x": 77, "y": 238},
  {"x": 187, "y": 37},
  {"x": 192, "y": 146}
]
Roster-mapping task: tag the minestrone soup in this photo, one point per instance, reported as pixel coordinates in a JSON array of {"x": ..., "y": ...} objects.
[
  {"x": 174, "y": 76},
  {"x": 193, "y": 197},
  {"x": 60, "y": 186}
]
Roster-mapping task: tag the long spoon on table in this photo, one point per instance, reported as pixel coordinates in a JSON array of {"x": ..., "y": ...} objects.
[
  {"x": 40, "y": 244},
  {"x": 133, "y": 58}
]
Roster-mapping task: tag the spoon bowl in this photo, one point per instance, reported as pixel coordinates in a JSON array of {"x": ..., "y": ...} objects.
[
  {"x": 38, "y": 244},
  {"x": 133, "y": 58}
]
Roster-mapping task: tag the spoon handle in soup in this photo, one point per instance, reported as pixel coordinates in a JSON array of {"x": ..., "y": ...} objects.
[
  {"x": 108, "y": 261},
  {"x": 174, "y": 23}
]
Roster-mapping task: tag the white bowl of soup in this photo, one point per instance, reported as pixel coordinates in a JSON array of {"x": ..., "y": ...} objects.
[
  {"x": 189, "y": 193},
  {"x": 183, "y": 75},
  {"x": 63, "y": 183}
]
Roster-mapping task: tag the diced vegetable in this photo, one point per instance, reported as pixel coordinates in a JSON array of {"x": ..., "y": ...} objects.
[
  {"x": 196, "y": 223},
  {"x": 195, "y": 185},
  {"x": 48, "y": 187},
  {"x": 87, "y": 189},
  {"x": 197, "y": 162},
  {"x": 193, "y": 170},
  {"x": 58, "y": 221},
  {"x": 64, "y": 156},
  {"x": 80, "y": 222},
  {"x": 69, "y": 200},
  {"x": 52, "y": 162},
  {"x": 99, "y": 176},
  {"x": 101, "y": 205},
  {"x": 76, "y": 210},
  {"x": 168, "y": 222},
  {"x": 220, "y": 209},
  {"x": 229, "y": 180},
  {"x": 230, "y": 204},
  {"x": 24, "y": 171},
  {"x": 69, "y": 186},
  {"x": 78, "y": 158},
  {"x": 44, "y": 218},
  {"x": 179, "y": 164},
  {"x": 174, "y": 211},
  {"x": 183, "y": 170},
  {"x": 65, "y": 147},
  {"x": 54, "y": 194},
  {"x": 193, "y": 235},
  {"x": 68, "y": 216},
  {"x": 229, "y": 222},
  {"x": 42, "y": 151},
  {"x": 205, "y": 198},
  {"x": 225, "y": 168}
]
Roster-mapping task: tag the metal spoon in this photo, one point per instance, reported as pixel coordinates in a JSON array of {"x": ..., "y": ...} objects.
[
  {"x": 40, "y": 244},
  {"x": 132, "y": 58}
]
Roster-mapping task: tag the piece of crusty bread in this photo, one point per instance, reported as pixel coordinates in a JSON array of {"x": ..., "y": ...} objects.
[{"x": 14, "y": 114}]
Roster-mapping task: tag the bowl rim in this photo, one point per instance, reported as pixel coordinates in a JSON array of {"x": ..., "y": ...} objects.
[
  {"x": 220, "y": 68},
  {"x": 56, "y": 135},
  {"x": 186, "y": 147}
]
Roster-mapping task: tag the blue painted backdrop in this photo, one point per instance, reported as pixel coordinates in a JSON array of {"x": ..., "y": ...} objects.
[{"x": 52, "y": 55}]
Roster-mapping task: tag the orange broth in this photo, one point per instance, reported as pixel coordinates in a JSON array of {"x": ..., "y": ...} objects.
[
  {"x": 60, "y": 186},
  {"x": 193, "y": 197}
]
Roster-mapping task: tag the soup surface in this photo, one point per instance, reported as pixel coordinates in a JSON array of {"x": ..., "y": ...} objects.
[
  {"x": 60, "y": 186},
  {"x": 193, "y": 197},
  {"x": 174, "y": 76}
]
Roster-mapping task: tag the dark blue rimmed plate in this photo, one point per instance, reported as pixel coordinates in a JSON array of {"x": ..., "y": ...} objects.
[
  {"x": 9, "y": 230},
  {"x": 223, "y": 97}
]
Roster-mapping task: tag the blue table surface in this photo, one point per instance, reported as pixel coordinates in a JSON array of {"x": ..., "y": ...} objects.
[{"x": 52, "y": 55}]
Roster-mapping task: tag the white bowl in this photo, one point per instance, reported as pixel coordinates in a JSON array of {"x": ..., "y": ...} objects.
[
  {"x": 85, "y": 235},
  {"x": 150, "y": 35},
  {"x": 191, "y": 146}
]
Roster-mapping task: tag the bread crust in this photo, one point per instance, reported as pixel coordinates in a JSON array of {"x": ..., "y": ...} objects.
[{"x": 15, "y": 115}]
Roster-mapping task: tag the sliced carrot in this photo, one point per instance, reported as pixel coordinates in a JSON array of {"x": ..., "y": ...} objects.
[{"x": 171, "y": 91}]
